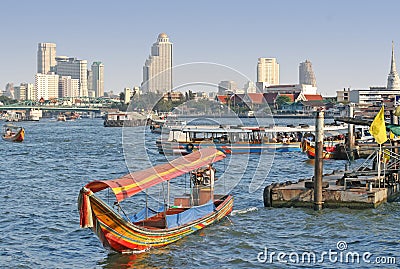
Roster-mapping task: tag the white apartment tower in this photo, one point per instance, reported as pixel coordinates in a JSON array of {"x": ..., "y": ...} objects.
[
  {"x": 157, "y": 70},
  {"x": 31, "y": 93},
  {"x": 68, "y": 87},
  {"x": 98, "y": 79},
  {"x": 46, "y": 86},
  {"x": 268, "y": 71},
  {"x": 76, "y": 69},
  {"x": 393, "y": 81},
  {"x": 306, "y": 74},
  {"x": 46, "y": 57}
]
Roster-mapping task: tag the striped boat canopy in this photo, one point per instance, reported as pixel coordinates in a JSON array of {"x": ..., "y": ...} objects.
[{"x": 136, "y": 182}]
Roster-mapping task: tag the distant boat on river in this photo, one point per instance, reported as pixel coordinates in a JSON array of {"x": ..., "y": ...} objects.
[{"x": 13, "y": 133}]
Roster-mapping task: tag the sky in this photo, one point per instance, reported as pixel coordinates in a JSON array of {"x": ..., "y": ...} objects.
[{"x": 348, "y": 42}]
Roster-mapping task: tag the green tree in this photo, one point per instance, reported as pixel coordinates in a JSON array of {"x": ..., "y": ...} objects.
[
  {"x": 282, "y": 99},
  {"x": 7, "y": 101}
]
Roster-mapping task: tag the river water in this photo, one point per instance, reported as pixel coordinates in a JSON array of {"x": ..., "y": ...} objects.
[{"x": 41, "y": 178}]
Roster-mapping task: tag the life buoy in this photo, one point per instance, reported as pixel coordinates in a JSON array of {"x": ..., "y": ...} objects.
[{"x": 189, "y": 147}]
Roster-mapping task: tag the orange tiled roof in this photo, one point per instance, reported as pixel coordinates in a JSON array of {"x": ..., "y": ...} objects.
[{"x": 313, "y": 97}]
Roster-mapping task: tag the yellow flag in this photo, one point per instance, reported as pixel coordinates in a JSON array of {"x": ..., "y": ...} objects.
[
  {"x": 378, "y": 127},
  {"x": 397, "y": 111}
]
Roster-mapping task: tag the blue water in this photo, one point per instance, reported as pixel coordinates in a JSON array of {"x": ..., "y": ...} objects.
[{"x": 41, "y": 178}]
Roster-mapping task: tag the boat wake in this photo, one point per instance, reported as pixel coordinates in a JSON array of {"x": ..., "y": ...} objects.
[
  {"x": 135, "y": 251},
  {"x": 244, "y": 211}
]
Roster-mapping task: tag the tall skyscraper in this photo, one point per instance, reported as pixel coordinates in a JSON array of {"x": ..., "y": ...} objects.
[
  {"x": 306, "y": 74},
  {"x": 46, "y": 57},
  {"x": 393, "y": 81},
  {"x": 157, "y": 70},
  {"x": 90, "y": 83},
  {"x": 77, "y": 69},
  {"x": 46, "y": 86},
  {"x": 98, "y": 79},
  {"x": 268, "y": 71}
]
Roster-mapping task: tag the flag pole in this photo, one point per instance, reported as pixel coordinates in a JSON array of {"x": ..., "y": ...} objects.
[{"x": 379, "y": 165}]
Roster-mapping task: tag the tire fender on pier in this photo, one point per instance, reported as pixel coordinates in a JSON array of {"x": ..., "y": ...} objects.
[{"x": 267, "y": 196}]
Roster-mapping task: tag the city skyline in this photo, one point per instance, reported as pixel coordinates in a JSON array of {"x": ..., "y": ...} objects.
[{"x": 349, "y": 44}]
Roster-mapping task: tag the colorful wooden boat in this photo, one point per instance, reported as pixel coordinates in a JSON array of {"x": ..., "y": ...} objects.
[
  {"x": 13, "y": 133},
  {"x": 328, "y": 152},
  {"x": 156, "y": 228}
]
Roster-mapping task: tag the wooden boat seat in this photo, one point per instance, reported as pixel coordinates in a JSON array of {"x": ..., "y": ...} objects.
[{"x": 157, "y": 221}]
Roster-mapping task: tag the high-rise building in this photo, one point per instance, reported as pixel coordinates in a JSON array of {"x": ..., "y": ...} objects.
[
  {"x": 46, "y": 57},
  {"x": 10, "y": 90},
  {"x": 306, "y": 74},
  {"x": 76, "y": 69},
  {"x": 157, "y": 70},
  {"x": 98, "y": 79},
  {"x": 393, "y": 81},
  {"x": 250, "y": 87},
  {"x": 20, "y": 92},
  {"x": 30, "y": 94},
  {"x": 226, "y": 87},
  {"x": 90, "y": 83},
  {"x": 46, "y": 86},
  {"x": 68, "y": 87},
  {"x": 268, "y": 71}
]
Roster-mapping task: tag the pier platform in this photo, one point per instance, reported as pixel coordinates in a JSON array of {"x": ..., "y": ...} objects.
[{"x": 338, "y": 191}]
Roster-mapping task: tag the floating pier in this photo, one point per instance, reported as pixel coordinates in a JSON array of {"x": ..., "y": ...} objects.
[
  {"x": 337, "y": 191},
  {"x": 374, "y": 182}
]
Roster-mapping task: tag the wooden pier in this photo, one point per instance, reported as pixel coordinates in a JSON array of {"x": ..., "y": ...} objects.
[
  {"x": 374, "y": 182},
  {"x": 338, "y": 190}
]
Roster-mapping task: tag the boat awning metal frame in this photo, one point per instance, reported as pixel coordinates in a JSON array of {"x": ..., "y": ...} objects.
[{"x": 138, "y": 181}]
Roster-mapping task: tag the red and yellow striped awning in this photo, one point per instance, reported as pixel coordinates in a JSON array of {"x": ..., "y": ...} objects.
[{"x": 136, "y": 182}]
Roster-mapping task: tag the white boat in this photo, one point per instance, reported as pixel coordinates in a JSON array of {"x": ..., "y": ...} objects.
[
  {"x": 35, "y": 114},
  {"x": 241, "y": 140}
]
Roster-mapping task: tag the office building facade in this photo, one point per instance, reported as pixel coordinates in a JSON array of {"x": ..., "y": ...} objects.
[
  {"x": 268, "y": 71},
  {"x": 46, "y": 57}
]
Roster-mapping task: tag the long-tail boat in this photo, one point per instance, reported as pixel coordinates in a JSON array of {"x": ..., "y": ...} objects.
[
  {"x": 156, "y": 228},
  {"x": 327, "y": 152},
  {"x": 13, "y": 133}
]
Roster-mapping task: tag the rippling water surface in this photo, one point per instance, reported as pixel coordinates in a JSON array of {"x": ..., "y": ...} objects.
[{"x": 41, "y": 178}]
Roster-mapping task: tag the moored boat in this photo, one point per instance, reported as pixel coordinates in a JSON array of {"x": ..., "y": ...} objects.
[
  {"x": 228, "y": 139},
  {"x": 151, "y": 228},
  {"x": 13, "y": 133},
  {"x": 61, "y": 117},
  {"x": 327, "y": 152}
]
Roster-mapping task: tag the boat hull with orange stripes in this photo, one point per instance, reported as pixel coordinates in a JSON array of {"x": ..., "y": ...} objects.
[{"x": 118, "y": 234}]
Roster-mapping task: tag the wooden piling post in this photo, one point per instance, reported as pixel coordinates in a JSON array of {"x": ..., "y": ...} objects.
[
  {"x": 351, "y": 137},
  {"x": 319, "y": 144}
]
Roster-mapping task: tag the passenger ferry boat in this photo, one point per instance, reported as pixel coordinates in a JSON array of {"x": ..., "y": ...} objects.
[
  {"x": 230, "y": 140},
  {"x": 238, "y": 140}
]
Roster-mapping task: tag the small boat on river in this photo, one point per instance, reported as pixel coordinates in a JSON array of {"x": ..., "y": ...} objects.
[
  {"x": 153, "y": 228},
  {"x": 13, "y": 133}
]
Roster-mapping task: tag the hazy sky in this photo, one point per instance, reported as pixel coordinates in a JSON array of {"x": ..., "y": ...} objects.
[{"x": 348, "y": 42}]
